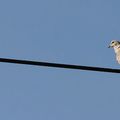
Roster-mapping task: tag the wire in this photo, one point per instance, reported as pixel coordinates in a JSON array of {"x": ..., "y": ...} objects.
[{"x": 58, "y": 65}]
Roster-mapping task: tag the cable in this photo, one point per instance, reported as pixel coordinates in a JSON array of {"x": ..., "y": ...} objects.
[{"x": 58, "y": 65}]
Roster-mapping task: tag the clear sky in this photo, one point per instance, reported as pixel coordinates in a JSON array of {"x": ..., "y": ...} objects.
[{"x": 63, "y": 31}]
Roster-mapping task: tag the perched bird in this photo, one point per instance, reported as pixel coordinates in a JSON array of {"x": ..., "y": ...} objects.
[{"x": 116, "y": 46}]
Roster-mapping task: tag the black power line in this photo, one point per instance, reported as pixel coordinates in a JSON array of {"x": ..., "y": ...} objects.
[{"x": 58, "y": 65}]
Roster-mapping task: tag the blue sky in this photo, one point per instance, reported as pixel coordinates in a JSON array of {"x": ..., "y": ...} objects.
[{"x": 63, "y": 31}]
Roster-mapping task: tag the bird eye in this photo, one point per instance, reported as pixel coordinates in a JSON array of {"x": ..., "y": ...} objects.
[{"x": 113, "y": 42}]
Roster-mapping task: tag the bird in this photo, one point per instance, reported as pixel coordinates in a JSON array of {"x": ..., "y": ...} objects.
[{"x": 116, "y": 46}]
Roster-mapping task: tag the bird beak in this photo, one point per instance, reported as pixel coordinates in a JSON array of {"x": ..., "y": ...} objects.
[{"x": 109, "y": 46}]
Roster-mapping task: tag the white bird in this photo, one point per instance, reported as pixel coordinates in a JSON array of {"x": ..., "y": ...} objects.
[{"x": 116, "y": 46}]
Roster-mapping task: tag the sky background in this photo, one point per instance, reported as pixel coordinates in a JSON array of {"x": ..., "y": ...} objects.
[{"x": 62, "y": 31}]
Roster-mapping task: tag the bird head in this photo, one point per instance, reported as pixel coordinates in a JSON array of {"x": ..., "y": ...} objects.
[{"x": 114, "y": 43}]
